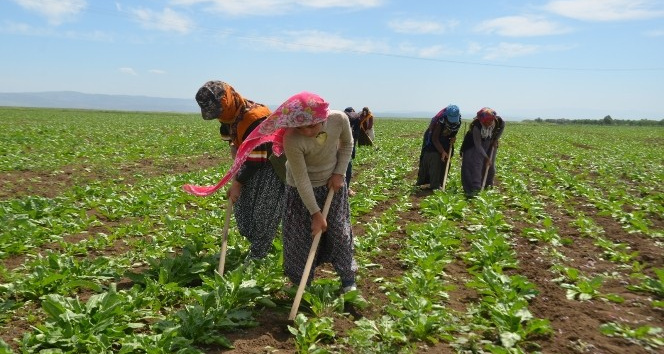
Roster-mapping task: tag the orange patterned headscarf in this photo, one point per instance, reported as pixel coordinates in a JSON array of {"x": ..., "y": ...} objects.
[{"x": 219, "y": 100}]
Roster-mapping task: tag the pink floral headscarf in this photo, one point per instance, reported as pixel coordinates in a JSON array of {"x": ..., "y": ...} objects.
[{"x": 304, "y": 108}]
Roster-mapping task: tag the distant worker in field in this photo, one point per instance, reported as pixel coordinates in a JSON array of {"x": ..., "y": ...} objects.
[
  {"x": 479, "y": 151},
  {"x": 355, "y": 120},
  {"x": 438, "y": 146},
  {"x": 257, "y": 190},
  {"x": 366, "y": 136}
]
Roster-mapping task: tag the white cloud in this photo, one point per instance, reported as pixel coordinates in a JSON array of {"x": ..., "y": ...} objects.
[
  {"x": 428, "y": 52},
  {"x": 323, "y": 42},
  {"x": 510, "y": 50},
  {"x": 340, "y": 3},
  {"x": 94, "y": 36},
  {"x": 521, "y": 26},
  {"x": 421, "y": 27},
  {"x": 56, "y": 11},
  {"x": 654, "y": 33},
  {"x": 25, "y": 29},
  {"x": 473, "y": 48},
  {"x": 505, "y": 50},
  {"x": 167, "y": 20},
  {"x": 606, "y": 10},
  {"x": 431, "y": 52},
  {"x": 128, "y": 71},
  {"x": 274, "y": 7},
  {"x": 317, "y": 41}
]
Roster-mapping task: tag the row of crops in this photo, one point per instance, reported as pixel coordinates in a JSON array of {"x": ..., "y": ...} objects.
[{"x": 565, "y": 255}]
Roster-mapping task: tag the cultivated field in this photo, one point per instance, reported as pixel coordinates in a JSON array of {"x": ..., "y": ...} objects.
[{"x": 101, "y": 250}]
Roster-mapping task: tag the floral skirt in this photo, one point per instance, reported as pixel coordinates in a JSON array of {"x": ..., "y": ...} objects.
[
  {"x": 259, "y": 209},
  {"x": 336, "y": 244}
]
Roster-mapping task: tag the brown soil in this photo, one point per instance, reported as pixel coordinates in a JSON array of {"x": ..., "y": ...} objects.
[
  {"x": 50, "y": 184},
  {"x": 575, "y": 323}
]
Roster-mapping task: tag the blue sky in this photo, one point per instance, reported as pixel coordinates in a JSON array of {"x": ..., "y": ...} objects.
[{"x": 526, "y": 59}]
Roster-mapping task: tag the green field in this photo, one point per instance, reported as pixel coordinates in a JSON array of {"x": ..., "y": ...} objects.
[{"x": 102, "y": 251}]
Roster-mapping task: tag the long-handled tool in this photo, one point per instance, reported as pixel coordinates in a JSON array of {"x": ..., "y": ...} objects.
[
  {"x": 224, "y": 239},
  {"x": 310, "y": 260},
  {"x": 486, "y": 172},
  {"x": 447, "y": 167}
]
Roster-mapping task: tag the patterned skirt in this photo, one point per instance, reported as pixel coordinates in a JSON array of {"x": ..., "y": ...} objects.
[
  {"x": 259, "y": 209},
  {"x": 473, "y": 169},
  {"x": 336, "y": 244}
]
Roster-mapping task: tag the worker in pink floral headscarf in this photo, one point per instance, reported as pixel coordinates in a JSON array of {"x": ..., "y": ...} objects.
[{"x": 318, "y": 144}]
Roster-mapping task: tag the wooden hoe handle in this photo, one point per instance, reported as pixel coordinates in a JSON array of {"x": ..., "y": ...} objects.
[
  {"x": 224, "y": 238},
  {"x": 447, "y": 167},
  {"x": 310, "y": 260},
  {"x": 486, "y": 172}
]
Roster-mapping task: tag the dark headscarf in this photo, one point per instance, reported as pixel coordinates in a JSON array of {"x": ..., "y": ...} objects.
[{"x": 219, "y": 100}]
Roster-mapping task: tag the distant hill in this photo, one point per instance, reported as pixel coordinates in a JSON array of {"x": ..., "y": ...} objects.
[
  {"x": 71, "y": 99},
  {"x": 78, "y": 100}
]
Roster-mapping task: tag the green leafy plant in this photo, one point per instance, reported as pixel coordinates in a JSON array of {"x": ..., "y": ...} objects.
[
  {"x": 448, "y": 205},
  {"x": 5, "y": 348},
  {"x": 309, "y": 332},
  {"x": 580, "y": 288},
  {"x": 587, "y": 226},
  {"x": 495, "y": 286},
  {"x": 651, "y": 285},
  {"x": 584, "y": 289},
  {"x": 489, "y": 249},
  {"x": 7, "y": 307},
  {"x": 160, "y": 343},
  {"x": 616, "y": 252},
  {"x": 63, "y": 274},
  {"x": 418, "y": 317},
  {"x": 322, "y": 298},
  {"x": 73, "y": 326},
  {"x": 377, "y": 336},
  {"x": 223, "y": 303},
  {"x": 648, "y": 336},
  {"x": 567, "y": 274},
  {"x": 182, "y": 269},
  {"x": 515, "y": 323},
  {"x": 549, "y": 235}
]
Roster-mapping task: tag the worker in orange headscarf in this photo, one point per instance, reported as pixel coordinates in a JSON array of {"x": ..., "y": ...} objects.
[{"x": 257, "y": 189}]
